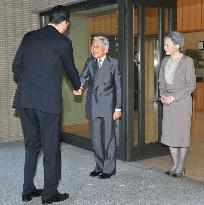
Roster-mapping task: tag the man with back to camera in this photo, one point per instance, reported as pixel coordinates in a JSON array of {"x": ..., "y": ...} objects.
[
  {"x": 37, "y": 67},
  {"x": 103, "y": 105}
]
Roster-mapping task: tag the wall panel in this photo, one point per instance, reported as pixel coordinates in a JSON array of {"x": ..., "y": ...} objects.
[
  {"x": 202, "y": 14},
  {"x": 151, "y": 21},
  {"x": 104, "y": 24},
  {"x": 16, "y": 19},
  {"x": 194, "y": 14},
  {"x": 190, "y": 15},
  {"x": 185, "y": 16},
  {"x": 190, "y": 18},
  {"x": 43, "y": 5},
  {"x": 180, "y": 15}
]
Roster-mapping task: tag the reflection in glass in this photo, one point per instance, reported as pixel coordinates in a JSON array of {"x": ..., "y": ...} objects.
[
  {"x": 151, "y": 76},
  {"x": 136, "y": 76}
]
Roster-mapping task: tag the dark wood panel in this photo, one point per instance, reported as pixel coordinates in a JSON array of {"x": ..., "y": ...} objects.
[
  {"x": 180, "y": 15},
  {"x": 194, "y": 9},
  {"x": 185, "y": 16}
]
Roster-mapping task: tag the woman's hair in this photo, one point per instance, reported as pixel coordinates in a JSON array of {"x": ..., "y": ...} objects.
[
  {"x": 103, "y": 39},
  {"x": 177, "y": 39},
  {"x": 58, "y": 14}
]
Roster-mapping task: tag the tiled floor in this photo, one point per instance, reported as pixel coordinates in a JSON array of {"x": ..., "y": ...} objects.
[{"x": 195, "y": 161}]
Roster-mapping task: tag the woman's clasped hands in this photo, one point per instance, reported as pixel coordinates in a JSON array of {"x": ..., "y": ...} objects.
[{"x": 167, "y": 99}]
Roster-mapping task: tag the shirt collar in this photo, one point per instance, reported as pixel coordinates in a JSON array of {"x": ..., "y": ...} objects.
[{"x": 102, "y": 59}]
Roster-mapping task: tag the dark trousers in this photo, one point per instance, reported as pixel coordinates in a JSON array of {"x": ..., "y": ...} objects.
[
  {"x": 135, "y": 99},
  {"x": 41, "y": 132},
  {"x": 104, "y": 144}
]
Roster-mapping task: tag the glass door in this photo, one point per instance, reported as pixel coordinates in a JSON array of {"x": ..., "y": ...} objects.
[
  {"x": 146, "y": 78},
  {"x": 149, "y": 27}
]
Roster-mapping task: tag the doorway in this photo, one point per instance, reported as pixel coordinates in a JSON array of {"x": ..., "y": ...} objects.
[
  {"x": 152, "y": 110},
  {"x": 152, "y": 19}
]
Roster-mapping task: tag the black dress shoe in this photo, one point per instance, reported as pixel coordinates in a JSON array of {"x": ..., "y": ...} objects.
[
  {"x": 105, "y": 176},
  {"x": 94, "y": 173},
  {"x": 31, "y": 195},
  {"x": 180, "y": 174},
  {"x": 57, "y": 198},
  {"x": 169, "y": 172}
]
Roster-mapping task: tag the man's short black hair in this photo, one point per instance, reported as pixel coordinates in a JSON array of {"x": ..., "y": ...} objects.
[{"x": 58, "y": 14}]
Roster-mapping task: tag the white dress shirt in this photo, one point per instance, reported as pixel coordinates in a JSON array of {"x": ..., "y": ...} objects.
[{"x": 101, "y": 60}]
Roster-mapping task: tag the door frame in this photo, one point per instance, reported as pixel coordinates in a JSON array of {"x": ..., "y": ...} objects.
[{"x": 142, "y": 150}]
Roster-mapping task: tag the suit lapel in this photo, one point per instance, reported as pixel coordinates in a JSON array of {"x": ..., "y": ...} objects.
[
  {"x": 105, "y": 64},
  {"x": 179, "y": 67},
  {"x": 103, "y": 70}
]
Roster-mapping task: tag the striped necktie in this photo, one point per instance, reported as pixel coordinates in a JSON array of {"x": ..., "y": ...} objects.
[{"x": 99, "y": 63}]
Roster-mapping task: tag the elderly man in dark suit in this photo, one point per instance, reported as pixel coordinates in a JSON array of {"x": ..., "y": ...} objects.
[
  {"x": 103, "y": 105},
  {"x": 38, "y": 66}
]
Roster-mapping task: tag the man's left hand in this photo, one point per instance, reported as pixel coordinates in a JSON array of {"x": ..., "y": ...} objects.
[{"x": 116, "y": 115}]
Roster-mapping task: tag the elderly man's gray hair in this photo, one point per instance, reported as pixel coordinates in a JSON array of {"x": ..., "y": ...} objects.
[
  {"x": 177, "y": 38},
  {"x": 103, "y": 39}
]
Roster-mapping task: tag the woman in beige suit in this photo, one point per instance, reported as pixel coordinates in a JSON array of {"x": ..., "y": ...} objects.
[{"x": 176, "y": 83}]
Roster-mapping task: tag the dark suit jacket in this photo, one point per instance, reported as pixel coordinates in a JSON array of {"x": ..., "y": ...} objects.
[
  {"x": 135, "y": 76},
  {"x": 38, "y": 65},
  {"x": 104, "y": 87}
]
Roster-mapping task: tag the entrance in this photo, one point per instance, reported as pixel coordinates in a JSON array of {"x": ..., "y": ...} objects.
[
  {"x": 138, "y": 132},
  {"x": 149, "y": 30},
  {"x": 143, "y": 112}
]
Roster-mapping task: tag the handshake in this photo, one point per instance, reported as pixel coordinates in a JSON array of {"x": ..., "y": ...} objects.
[{"x": 78, "y": 92}]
